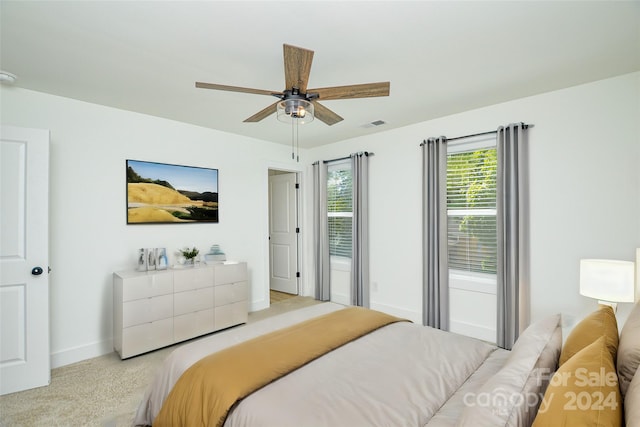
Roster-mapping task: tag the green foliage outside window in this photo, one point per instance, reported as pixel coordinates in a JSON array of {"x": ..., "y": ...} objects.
[
  {"x": 471, "y": 185},
  {"x": 340, "y": 209},
  {"x": 339, "y": 191}
]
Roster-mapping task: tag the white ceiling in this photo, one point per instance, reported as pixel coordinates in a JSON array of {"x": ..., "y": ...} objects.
[{"x": 440, "y": 57}]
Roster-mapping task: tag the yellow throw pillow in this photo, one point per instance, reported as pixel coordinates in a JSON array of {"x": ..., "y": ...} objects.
[
  {"x": 583, "y": 392},
  {"x": 600, "y": 322}
]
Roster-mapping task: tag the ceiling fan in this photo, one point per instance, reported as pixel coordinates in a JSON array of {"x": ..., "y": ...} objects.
[{"x": 296, "y": 98}]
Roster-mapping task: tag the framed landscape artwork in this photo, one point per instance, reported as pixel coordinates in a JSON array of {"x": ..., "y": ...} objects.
[{"x": 165, "y": 193}]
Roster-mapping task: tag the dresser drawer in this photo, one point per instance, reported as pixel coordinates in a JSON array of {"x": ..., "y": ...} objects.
[
  {"x": 146, "y": 310},
  {"x": 147, "y": 285},
  {"x": 234, "y": 292},
  {"x": 230, "y": 273},
  {"x": 150, "y": 336},
  {"x": 159, "y": 308},
  {"x": 193, "y": 325},
  {"x": 192, "y": 278},
  {"x": 190, "y": 301},
  {"x": 231, "y": 314}
]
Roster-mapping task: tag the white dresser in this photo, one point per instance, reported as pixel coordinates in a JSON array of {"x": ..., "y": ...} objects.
[{"x": 155, "y": 309}]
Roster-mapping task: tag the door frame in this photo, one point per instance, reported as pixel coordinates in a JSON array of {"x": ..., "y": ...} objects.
[
  {"x": 297, "y": 169},
  {"x": 293, "y": 225}
]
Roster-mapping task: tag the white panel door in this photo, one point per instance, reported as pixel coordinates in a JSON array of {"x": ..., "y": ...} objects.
[
  {"x": 282, "y": 233},
  {"x": 24, "y": 259}
]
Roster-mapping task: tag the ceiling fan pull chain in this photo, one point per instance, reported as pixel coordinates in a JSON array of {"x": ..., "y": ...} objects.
[
  {"x": 297, "y": 142},
  {"x": 292, "y": 139}
]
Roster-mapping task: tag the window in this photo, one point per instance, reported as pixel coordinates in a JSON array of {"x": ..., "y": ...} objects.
[
  {"x": 471, "y": 209},
  {"x": 340, "y": 208}
]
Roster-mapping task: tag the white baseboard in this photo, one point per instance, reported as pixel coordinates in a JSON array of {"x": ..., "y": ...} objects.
[
  {"x": 414, "y": 316},
  {"x": 100, "y": 348},
  {"x": 471, "y": 330},
  {"x": 340, "y": 298},
  {"x": 258, "y": 305},
  {"x": 80, "y": 353}
]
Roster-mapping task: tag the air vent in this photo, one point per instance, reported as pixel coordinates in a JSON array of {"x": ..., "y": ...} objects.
[{"x": 375, "y": 123}]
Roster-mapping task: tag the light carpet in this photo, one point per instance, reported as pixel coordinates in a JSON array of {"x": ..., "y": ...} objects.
[{"x": 104, "y": 391}]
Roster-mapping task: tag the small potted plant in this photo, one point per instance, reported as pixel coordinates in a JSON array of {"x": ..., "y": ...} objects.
[{"x": 189, "y": 255}]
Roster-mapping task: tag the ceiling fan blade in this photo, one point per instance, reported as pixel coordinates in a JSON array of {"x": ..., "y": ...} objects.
[
  {"x": 297, "y": 66},
  {"x": 235, "y": 89},
  {"x": 262, "y": 114},
  {"x": 326, "y": 115},
  {"x": 366, "y": 90}
]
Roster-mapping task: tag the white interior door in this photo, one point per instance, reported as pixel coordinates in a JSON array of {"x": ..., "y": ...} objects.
[
  {"x": 24, "y": 259},
  {"x": 283, "y": 239}
]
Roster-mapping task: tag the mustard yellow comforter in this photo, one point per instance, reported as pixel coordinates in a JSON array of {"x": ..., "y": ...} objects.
[{"x": 206, "y": 392}]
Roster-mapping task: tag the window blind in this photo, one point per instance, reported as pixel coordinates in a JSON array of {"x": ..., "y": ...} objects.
[
  {"x": 471, "y": 210},
  {"x": 340, "y": 209}
]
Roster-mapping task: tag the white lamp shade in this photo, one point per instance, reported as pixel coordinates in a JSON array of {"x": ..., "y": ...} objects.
[{"x": 607, "y": 280}]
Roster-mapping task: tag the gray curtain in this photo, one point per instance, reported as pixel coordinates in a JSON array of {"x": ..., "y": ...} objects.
[
  {"x": 512, "y": 231},
  {"x": 435, "y": 276},
  {"x": 360, "y": 230},
  {"x": 321, "y": 232}
]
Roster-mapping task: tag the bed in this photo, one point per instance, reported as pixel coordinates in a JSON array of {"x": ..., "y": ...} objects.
[{"x": 397, "y": 374}]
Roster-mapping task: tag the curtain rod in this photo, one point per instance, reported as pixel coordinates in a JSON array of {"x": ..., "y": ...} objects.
[
  {"x": 366, "y": 153},
  {"x": 526, "y": 126}
]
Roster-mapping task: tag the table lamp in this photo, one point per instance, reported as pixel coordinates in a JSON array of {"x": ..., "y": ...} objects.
[{"x": 609, "y": 281}]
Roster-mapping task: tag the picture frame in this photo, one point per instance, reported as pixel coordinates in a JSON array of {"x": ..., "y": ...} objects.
[{"x": 164, "y": 193}]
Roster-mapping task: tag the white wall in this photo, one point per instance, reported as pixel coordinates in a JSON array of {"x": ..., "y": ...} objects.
[
  {"x": 88, "y": 232},
  {"x": 585, "y": 197}
]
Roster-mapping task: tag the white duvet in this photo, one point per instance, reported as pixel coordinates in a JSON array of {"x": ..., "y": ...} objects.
[{"x": 401, "y": 375}]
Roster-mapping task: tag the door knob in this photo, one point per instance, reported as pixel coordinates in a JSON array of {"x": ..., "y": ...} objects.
[{"x": 36, "y": 271}]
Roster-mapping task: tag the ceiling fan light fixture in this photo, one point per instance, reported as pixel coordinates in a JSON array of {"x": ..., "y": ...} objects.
[{"x": 299, "y": 110}]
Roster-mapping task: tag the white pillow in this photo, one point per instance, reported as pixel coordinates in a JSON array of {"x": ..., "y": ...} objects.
[
  {"x": 632, "y": 402},
  {"x": 512, "y": 396},
  {"x": 629, "y": 350}
]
